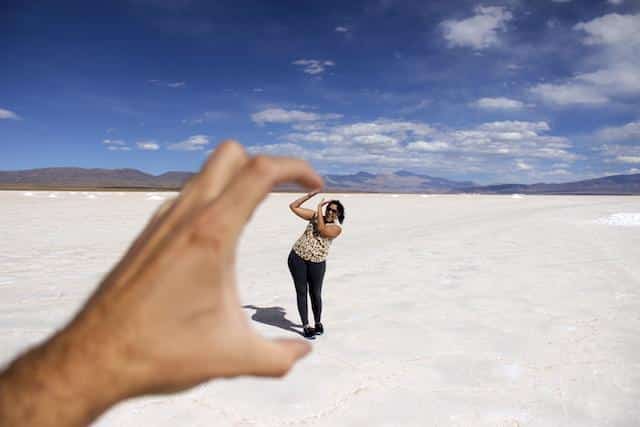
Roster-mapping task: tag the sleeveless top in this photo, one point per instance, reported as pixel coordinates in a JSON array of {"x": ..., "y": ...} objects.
[{"x": 311, "y": 246}]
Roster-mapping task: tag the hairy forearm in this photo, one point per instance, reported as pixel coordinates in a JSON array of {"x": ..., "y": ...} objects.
[
  {"x": 298, "y": 202},
  {"x": 60, "y": 382}
]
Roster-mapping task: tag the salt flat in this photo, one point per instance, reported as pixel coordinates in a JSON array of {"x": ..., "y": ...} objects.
[{"x": 460, "y": 310}]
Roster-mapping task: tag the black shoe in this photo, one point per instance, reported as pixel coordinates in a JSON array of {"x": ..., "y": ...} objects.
[
  {"x": 309, "y": 332},
  {"x": 319, "y": 329}
]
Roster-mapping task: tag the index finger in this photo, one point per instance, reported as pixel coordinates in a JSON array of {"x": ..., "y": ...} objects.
[{"x": 252, "y": 184}]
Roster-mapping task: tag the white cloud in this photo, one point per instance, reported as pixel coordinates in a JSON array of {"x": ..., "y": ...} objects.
[
  {"x": 523, "y": 166},
  {"x": 8, "y": 115},
  {"x": 428, "y": 146},
  {"x": 118, "y": 148},
  {"x": 569, "y": 93},
  {"x": 620, "y": 153},
  {"x": 479, "y": 31},
  {"x": 629, "y": 131},
  {"x": 500, "y": 148},
  {"x": 619, "y": 79},
  {"x": 147, "y": 145},
  {"x": 611, "y": 29},
  {"x": 375, "y": 139},
  {"x": 387, "y": 142},
  {"x": 628, "y": 159},
  {"x": 616, "y": 2},
  {"x": 616, "y": 39},
  {"x": 313, "y": 66},
  {"x": 499, "y": 103},
  {"x": 193, "y": 143},
  {"x": 173, "y": 85},
  {"x": 278, "y": 115},
  {"x": 561, "y": 1},
  {"x": 113, "y": 142},
  {"x": 342, "y": 29},
  {"x": 399, "y": 128}
]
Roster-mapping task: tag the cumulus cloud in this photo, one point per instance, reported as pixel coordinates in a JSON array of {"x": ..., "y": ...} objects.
[
  {"x": 499, "y": 148},
  {"x": 616, "y": 39},
  {"x": 616, "y": 2},
  {"x": 193, "y": 143},
  {"x": 147, "y": 145},
  {"x": 113, "y": 142},
  {"x": 611, "y": 29},
  {"x": 628, "y": 159},
  {"x": 618, "y": 153},
  {"x": 342, "y": 29},
  {"x": 279, "y": 115},
  {"x": 432, "y": 146},
  {"x": 8, "y": 115},
  {"x": 523, "y": 166},
  {"x": 618, "y": 133},
  {"x": 313, "y": 66},
  {"x": 118, "y": 148},
  {"x": 478, "y": 32},
  {"x": 519, "y": 140},
  {"x": 499, "y": 103}
]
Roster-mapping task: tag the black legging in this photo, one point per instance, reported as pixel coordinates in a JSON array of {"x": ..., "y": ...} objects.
[{"x": 302, "y": 272}]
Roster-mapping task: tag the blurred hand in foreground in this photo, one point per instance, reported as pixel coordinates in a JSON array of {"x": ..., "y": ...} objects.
[{"x": 168, "y": 316}]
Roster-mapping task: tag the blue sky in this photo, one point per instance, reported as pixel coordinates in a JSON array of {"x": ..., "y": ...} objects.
[{"x": 496, "y": 91}]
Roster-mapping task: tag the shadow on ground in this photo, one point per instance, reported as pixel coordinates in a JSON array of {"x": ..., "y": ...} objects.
[{"x": 273, "y": 316}]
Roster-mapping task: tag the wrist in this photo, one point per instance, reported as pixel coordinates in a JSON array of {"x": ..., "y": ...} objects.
[{"x": 65, "y": 380}]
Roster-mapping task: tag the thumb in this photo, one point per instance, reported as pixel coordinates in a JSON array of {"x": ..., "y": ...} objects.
[{"x": 274, "y": 358}]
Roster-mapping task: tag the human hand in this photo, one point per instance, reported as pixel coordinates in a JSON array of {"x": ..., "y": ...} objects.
[
  {"x": 314, "y": 192},
  {"x": 168, "y": 316}
]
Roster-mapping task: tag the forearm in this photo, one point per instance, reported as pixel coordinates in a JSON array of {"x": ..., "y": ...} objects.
[
  {"x": 57, "y": 383},
  {"x": 298, "y": 202},
  {"x": 320, "y": 218}
]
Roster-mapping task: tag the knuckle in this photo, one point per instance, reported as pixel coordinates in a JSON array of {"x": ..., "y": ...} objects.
[
  {"x": 211, "y": 228},
  {"x": 231, "y": 145},
  {"x": 262, "y": 165}
]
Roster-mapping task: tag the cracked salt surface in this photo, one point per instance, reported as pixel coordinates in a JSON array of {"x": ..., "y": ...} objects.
[{"x": 441, "y": 310}]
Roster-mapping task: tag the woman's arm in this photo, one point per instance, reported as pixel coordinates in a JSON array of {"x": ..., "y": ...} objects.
[
  {"x": 298, "y": 202},
  {"x": 303, "y": 213},
  {"x": 319, "y": 217}
]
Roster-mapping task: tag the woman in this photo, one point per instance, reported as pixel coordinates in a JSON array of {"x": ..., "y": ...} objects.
[{"x": 307, "y": 258}]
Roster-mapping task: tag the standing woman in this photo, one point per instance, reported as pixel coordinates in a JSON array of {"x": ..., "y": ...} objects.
[{"x": 307, "y": 258}]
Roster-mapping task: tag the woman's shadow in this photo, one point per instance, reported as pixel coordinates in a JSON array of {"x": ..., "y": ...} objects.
[{"x": 273, "y": 316}]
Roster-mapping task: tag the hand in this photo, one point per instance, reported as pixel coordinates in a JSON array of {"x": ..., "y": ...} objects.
[
  {"x": 322, "y": 203},
  {"x": 168, "y": 315},
  {"x": 314, "y": 192}
]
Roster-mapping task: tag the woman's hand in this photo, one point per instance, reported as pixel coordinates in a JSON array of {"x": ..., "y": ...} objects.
[
  {"x": 314, "y": 192},
  {"x": 322, "y": 203}
]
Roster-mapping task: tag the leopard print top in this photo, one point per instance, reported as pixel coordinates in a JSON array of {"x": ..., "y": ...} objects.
[{"x": 311, "y": 246}]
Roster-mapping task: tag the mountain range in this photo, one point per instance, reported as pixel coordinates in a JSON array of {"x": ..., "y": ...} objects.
[{"x": 397, "y": 182}]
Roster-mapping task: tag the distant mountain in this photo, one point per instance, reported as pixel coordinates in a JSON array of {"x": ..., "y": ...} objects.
[
  {"x": 397, "y": 182},
  {"x": 615, "y": 184},
  {"x": 401, "y": 181}
]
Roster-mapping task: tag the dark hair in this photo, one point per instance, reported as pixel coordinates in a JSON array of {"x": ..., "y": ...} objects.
[{"x": 340, "y": 209}]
